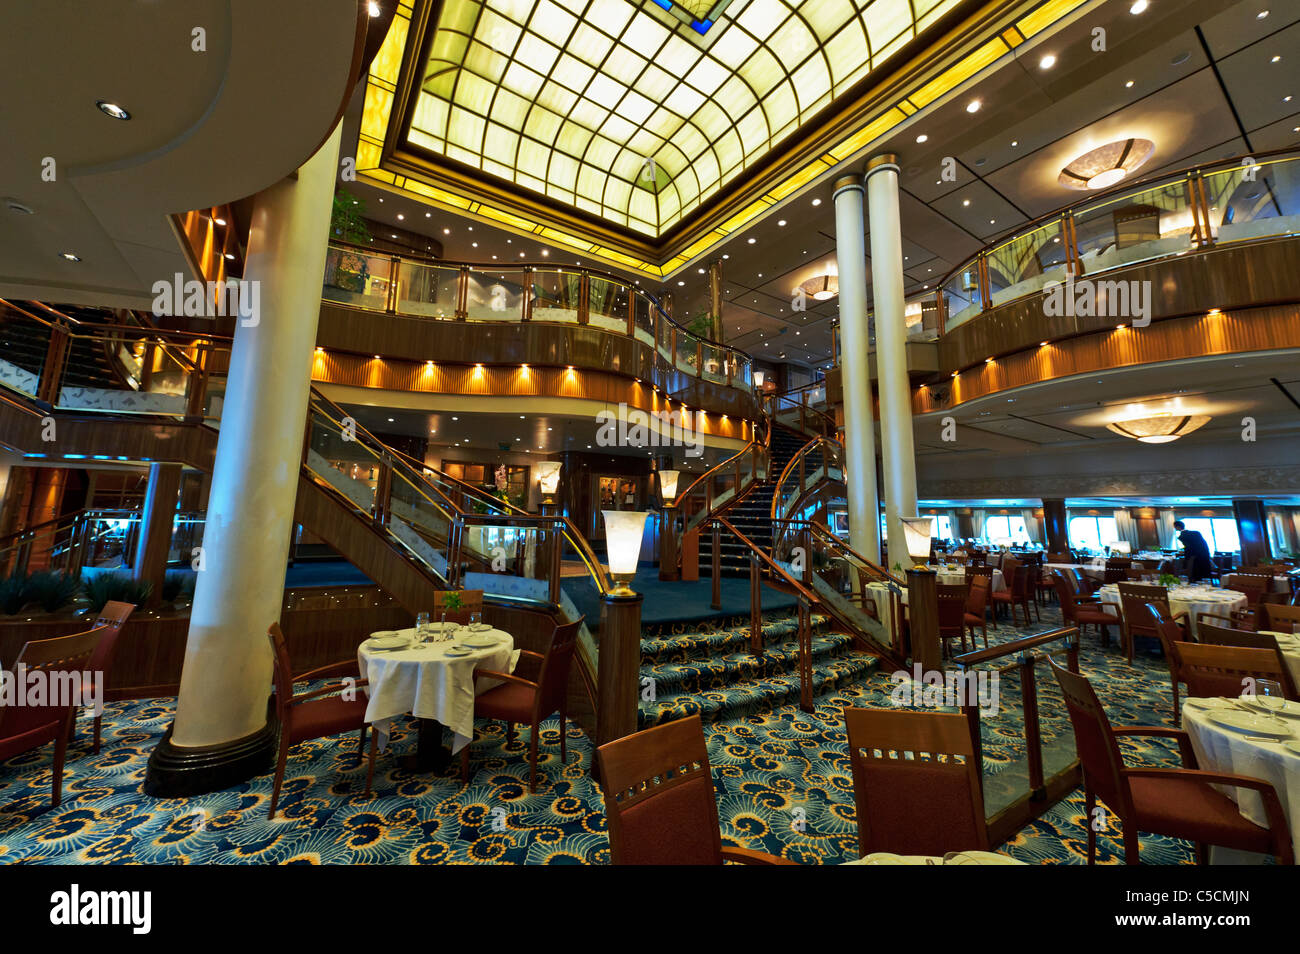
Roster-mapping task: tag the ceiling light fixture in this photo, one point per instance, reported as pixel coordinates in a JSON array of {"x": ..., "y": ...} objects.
[
  {"x": 112, "y": 109},
  {"x": 1047, "y": 62},
  {"x": 922, "y": 138},
  {"x": 973, "y": 106},
  {"x": 1138, "y": 7},
  {"x": 822, "y": 287},
  {"x": 1106, "y": 165},
  {"x": 1160, "y": 429},
  {"x": 69, "y": 256}
]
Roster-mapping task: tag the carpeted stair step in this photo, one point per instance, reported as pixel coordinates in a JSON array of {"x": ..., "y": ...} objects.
[
  {"x": 761, "y": 695},
  {"x": 721, "y": 672},
  {"x": 698, "y": 641}
]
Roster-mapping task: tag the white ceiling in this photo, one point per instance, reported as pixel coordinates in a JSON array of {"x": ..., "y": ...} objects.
[{"x": 206, "y": 128}]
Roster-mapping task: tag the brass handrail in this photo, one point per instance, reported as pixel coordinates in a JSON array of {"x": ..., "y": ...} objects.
[{"x": 800, "y": 454}]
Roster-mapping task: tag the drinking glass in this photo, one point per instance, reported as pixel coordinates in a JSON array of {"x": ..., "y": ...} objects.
[
  {"x": 421, "y": 628},
  {"x": 475, "y": 619},
  {"x": 1268, "y": 693}
]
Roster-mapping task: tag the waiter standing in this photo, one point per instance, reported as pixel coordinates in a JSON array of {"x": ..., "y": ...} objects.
[{"x": 1196, "y": 553}]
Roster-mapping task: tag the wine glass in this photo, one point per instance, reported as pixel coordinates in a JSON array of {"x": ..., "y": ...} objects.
[
  {"x": 475, "y": 620},
  {"x": 1268, "y": 694}
]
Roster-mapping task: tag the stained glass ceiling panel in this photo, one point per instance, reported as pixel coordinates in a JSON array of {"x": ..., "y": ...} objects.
[{"x": 629, "y": 110}]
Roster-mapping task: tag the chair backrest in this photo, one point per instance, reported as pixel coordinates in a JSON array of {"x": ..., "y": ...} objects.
[
  {"x": 471, "y": 601},
  {"x": 1214, "y": 635},
  {"x": 1017, "y": 579},
  {"x": 553, "y": 681},
  {"x": 281, "y": 673},
  {"x": 985, "y": 572},
  {"x": 1060, "y": 558},
  {"x": 113, "y": 617},
  {"x": 1080, "y": 581},
  {"x": 659, "y": 798},
  {"x": 1099, "y": 756},
  {"x": 952, "y": 606},
  {"x": 1212, "y": 670},
  {"x": 62, "y": 660},
  {"x": 908, "y": 804},
  {"x": 1065, "y": 594},
  {"x": 1279, "y": 618},
  {"x": 978, "y": 598},
  {"x": 1134, "y": 598},
  {"x": 1253, "y": 586}
]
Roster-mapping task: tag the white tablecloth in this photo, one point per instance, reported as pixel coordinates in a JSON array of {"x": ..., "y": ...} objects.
[
  {"x": 1093, "y": 571},
  {"x": 1186, "y": 599},
  {"x": 429, "y": 684},
  {"x": 964, "y": 858},
  {"x": 1289, "y": 645},
  {"x": 958, "y": 576},
  {"x": 1220, "y": 749}
]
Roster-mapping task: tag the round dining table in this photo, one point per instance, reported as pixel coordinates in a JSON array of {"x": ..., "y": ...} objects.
[
  {"x": 1190, "y": 599},
  {"x": 434, "y": 682},
  {"x": 1288, "y": 645},
  {"x": 956, "y": 575},
  {"x": 953, "y": 858},
  {"x": 1276, "y": 759}
]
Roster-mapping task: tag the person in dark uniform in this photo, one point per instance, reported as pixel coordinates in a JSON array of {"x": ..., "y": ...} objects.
[{"x": 1196, "y": 552}]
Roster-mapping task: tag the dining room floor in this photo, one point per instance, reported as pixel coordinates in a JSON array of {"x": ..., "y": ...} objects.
[{"x": 782, "y": 778}]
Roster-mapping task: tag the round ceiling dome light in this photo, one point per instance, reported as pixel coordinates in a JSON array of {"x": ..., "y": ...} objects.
[
  {"x": 1106, "y": 165},
  {"x": 821, "y": 287},
  {"x": 1160, "y": 428}
]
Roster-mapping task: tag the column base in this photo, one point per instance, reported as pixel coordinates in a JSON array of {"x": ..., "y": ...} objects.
[{"x": 183, "y": 771}]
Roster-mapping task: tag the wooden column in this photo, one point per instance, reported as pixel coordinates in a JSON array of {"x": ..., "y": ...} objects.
[
  {"x": 1252, "y": 528},
  {"x": 923, "y": 617},
  {"x": 668, "y": 543},
  {"x": 1055, "y": 526},
  {"x": 618, "y": 671},
  {"x": 156, "y": 527}
]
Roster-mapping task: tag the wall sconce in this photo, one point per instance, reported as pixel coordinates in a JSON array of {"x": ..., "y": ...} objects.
[
  {"x": 548, "y": 477},
  {"x": 916, "y": 532},
  {"x": 623, "y": 532},
  {"x": 668, "y": 484}
]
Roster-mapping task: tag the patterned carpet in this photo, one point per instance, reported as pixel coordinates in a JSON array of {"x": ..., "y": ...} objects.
[{"x": 782, "y": 779}]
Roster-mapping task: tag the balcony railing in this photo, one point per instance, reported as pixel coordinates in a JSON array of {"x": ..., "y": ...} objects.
[
  {"x": 1236, "y": 200},
  {"x": 541, "y": 293}
]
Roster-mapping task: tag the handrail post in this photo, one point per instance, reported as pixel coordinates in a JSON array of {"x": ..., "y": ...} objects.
[
  {"x": 668, "y": 550},
  {"x": 196, "y": 385},
  {"x": 584, "y": 297},
  {"x": 383, "y": 492},
  {"x": 631, "y": 311},
  {"x": 699, "y": 357},
  {"x": 923, "y": 614},
  {"x": 48, "y": 388},
  {"x": 755, "y": 607},
  {"x": 526, "y": 306},
  {"x": 394, "y": 270},
  {"x": 556, "y": 555},
  {"x": 982, "y": 276},
  {"x": 618, "y": 669},
  {"x": 716, "y": 600},
  {"x": 462, "y": 293},
  {"x": 805, "y": 656},
  {"x": 1033, "y": 735}
]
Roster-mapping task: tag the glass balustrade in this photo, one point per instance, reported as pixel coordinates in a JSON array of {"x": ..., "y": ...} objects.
[
  {"x": 430, "y": 291},
  {"x": 1136, "y": 226},
  {"x": 495, "y": 296},
  {"x": 555, "y": 295},
  {"x": 607, "y": 304},
  {"x": 1257, "y": 201},
  {"x": 357, "y": 278}
]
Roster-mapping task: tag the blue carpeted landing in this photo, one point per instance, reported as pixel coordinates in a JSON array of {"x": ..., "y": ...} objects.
[
  {"x": 325, "y": 573},
  {"x": 678, "y": 602}
]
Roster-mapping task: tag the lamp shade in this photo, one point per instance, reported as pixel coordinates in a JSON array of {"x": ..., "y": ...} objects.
[
  {"x": 548, "y": 476},
  {"x": 623, "y": 530},
  {"x": 668, "y": 483},
  {"x": 1121, "y": 546},
  {"x": 1160, "y": 428},
  {"x": 916, "y": 531}
]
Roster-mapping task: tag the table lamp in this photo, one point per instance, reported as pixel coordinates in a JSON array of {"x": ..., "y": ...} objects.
[
  {"x": 668, "y": 484},
  {"x": 623, "y": 532},
  {"x": 916, "y": 533},
  {"x": 548, "y": 477}
]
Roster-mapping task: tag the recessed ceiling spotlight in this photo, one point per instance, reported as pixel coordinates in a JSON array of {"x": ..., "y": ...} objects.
[
  {"x": 112, "y": 109},
  {"x": 400, "y": 217},
  {"x": 1128, "y": 85},
  {"x": 373, "y": 8},
  {"x": 973, "y": 106},
  {"x": 219, "y": 220},
  {"x": 1139, "y": 6},
  {"x": 1275, "y": 59},
  {"x": 1014, "y": 143},
  {"x": 751, "y": 241},
  {"x": 1261, "y": 15},
  {"x": 69, "y": 256},
  {"x": 230, "y": 256},
  {"x": 781, "y": 222},
  {"x": 1047, "y": 62},
  {"x": 965, "y": 202},
  {"x": 922, "y": 138}
]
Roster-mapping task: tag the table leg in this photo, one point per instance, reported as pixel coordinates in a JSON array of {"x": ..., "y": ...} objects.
[{"x": 430, "y": 754}]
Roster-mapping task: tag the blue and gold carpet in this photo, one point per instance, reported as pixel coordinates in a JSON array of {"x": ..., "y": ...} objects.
[{"x": 782, "y": 778}]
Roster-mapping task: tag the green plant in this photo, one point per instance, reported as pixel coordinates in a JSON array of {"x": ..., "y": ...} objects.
[
  {"x": 106, "y": 587},
  {"x": 52, "y": 590},
  {"x": 13, "y": 593},
  {"x": 347, "y": 221},
  {"x": 1168, "y": 579},
  {"x": 452, "y": 601},
  {"x": 178, "y": 584},
  {"x": 701, "y": 325}
]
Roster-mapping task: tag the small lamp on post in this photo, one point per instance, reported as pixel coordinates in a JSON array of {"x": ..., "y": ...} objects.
[
  {"x": 1121, "y": 546},
  {"x": 668, "y": 485},
  {"x": 916, "y": 532},
  {"x": 623, "y": 532},
  {"x": 548, "y": 479}
]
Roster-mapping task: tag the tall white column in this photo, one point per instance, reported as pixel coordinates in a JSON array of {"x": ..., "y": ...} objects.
[
  {"x": 891, "y": 352},
  {"x": 855, "y": 376},
  {"x": 227, "y": 674}
]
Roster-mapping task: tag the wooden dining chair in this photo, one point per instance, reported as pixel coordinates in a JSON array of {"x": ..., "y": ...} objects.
[
  {"x": 1227, "y": 671},
  {"x": 60, "y": 661},
  {"x": 1178, "y": 802},
  {"x": 112, "y": 618},
  {"x": 1017, "y": 592},
  {"x": 916, "y": 782},
  {"x": 1171, "y": 634},
  {"x": 1279, "y": 618},
  {"x": 530, "y": 701},
  {"x": 1134, "y": 599},
  {"x": 318, "y": 713},
  {"x": 975, "y": 606},
  {"x": 952, "y": 598},
  {"x": 1081, "y": 614},
  {"x": 984, "y": 572},
  {"x": 471, "y": 601},
  {"x": 659, "y": 800}
]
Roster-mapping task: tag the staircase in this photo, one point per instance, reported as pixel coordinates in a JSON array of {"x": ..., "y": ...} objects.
[
  {"x": 710, "y": 670},
  {"x": 25, "y": 343},
  {"x": 752, "y": 514}
]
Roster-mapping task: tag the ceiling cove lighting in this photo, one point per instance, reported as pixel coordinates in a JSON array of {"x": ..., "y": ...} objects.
[
  {"x": 1106, "y": 165},
  {"x": 1159, "y": 429}
]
